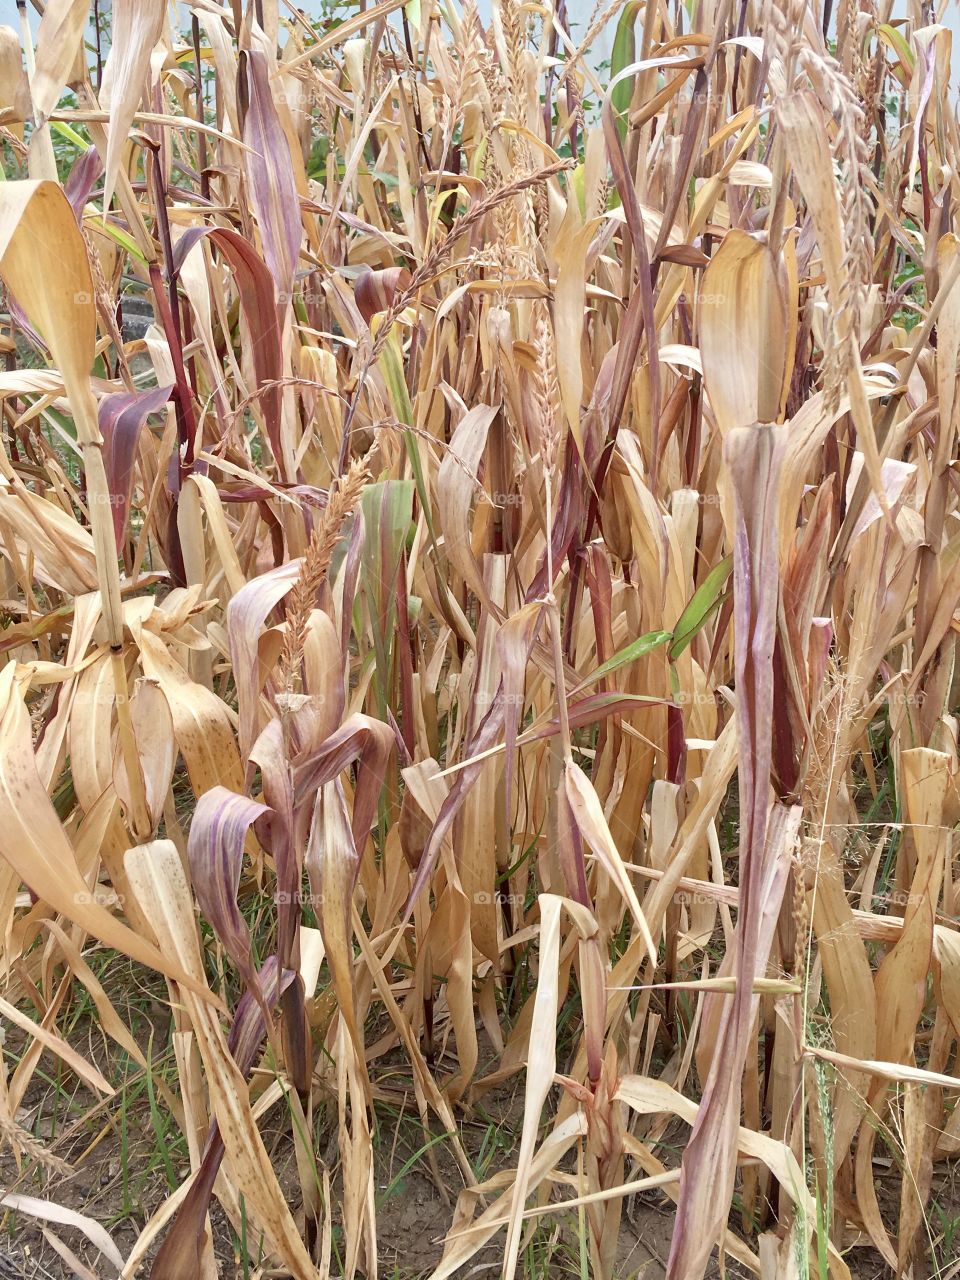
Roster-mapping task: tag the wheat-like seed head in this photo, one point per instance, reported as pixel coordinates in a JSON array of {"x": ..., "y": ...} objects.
[
  {"x": 546, "y": 392},
  {"x": 342, "y": 499},
  {"x": 838, "y": 96},
  {"x": 21, "y": 1139}
]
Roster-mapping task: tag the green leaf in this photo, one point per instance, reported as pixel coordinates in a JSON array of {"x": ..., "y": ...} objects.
[
  {"x": 391, "y": 366},
  {"x": 636, "y": 649},
  {"x": 66, "y": 131},
  {"x": 891, "y": 36},
  {"x": 387, "y": 516},
  {"x": 123, "y": 239},
  {"x": 577, "y": 186},
  {"x": 707, "y": 597},
  {"x": 624, "y": 52}
]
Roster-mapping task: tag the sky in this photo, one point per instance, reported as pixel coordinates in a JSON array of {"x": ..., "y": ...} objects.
[{"x": 579, "y": 12}]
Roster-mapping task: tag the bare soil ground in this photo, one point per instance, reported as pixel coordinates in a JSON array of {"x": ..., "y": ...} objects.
[
  {"x": 125, "y": 1155},
  {"x": 123, "y": 1159}
]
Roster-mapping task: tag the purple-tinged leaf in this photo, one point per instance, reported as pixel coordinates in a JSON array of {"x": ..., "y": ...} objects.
[
  {"x": 181, "y": 1254},
  {"x": 275, "y": 829},
  {"x": 258, "y": 304},
  {"x": 248, "y": 1029},
  {"x": 84, "y": 172},
  {"x": 215, "y": 853},
  {"x": 375, "y": 291},
  {"x": 640, "y": 314},
  {"x": 754, "y": 456},
  {"x": 121, "y": 418},
  {"x": 360, "y": 738},
  {"x": 247, "y": 613},
  {"x": 270, "y": 178}
]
